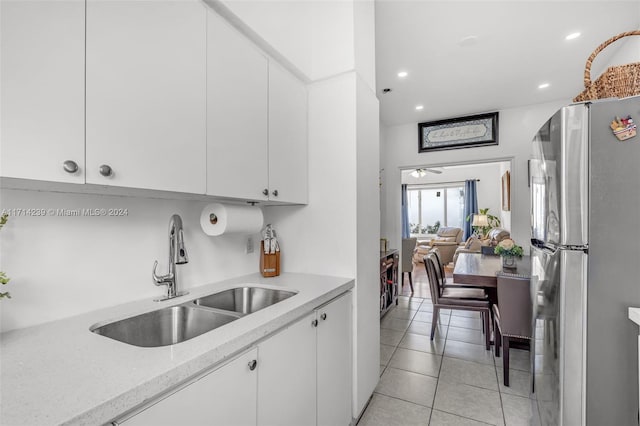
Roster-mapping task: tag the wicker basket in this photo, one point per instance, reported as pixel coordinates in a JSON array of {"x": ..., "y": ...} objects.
[{"x": 616, "y": 82}]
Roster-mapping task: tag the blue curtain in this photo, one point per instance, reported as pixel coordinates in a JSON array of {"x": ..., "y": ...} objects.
[
  {"x": 470, "y": 205},
  {"x": 405, "y": 213}
]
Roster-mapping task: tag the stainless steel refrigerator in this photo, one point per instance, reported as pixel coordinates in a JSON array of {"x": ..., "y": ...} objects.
[{"x": 585, "y": 253}]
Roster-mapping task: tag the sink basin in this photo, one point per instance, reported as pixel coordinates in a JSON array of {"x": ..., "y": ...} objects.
[
  {"x": 244, "y": 300},
  {"x": 165, "y": 326}
]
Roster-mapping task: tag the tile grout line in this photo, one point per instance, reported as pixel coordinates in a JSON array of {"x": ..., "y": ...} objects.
[{"x": 446, "y": 338}]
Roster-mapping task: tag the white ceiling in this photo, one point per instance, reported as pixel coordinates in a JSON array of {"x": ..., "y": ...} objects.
[{"x": 520, "y": 44}]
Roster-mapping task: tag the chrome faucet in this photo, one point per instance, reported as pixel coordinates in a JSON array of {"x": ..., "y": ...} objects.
[{"x": 177, "y": 256}]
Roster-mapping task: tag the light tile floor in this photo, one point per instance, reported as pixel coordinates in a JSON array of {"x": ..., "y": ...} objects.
[{"x": 452, "y": 380}]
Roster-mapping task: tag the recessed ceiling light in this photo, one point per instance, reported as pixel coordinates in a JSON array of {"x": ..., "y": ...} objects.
[
  {"x": 543, "y": 86},
  {"x": 419, "y": 107},
  {"x": 572, "y": 36},
  {"x": 403, "y": 74}
]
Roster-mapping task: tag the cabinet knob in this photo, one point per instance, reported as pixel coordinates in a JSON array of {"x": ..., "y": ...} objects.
[
  {"x": 275, "y": 193},
  {"x": 265, "y": 191},
  {"x": 70, "y": 166},
  {"x": 314, "y": 323},
  {"x": 323, "y": 316},
  {"x": 106, "y": 171},
  {"x": 252, "y": 364}
]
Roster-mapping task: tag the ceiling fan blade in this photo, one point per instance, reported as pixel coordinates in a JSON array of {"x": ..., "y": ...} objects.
[{"x": 436, "y": 171}]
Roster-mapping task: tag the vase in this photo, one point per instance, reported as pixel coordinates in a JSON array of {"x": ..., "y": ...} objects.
[{"x": 509, "y": 262}]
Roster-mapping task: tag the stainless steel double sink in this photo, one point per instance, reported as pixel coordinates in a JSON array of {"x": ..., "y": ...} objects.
[{"x": 175, "y": 324}]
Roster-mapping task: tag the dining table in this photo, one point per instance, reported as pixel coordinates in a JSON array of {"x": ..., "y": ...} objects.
[{"x": 482, "y": 270}]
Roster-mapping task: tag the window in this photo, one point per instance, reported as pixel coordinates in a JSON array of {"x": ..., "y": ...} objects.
[{"x": 432, "y": 207}]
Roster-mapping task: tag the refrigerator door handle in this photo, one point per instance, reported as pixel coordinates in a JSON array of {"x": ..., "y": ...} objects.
[
  {"x": 573, "y": 336},
  {"x": 574, "y": 169}
]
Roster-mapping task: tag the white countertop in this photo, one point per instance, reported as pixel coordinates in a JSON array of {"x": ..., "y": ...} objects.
[
  {"x": 634, "y": 315},
  {"x": 61, "y": 373}
]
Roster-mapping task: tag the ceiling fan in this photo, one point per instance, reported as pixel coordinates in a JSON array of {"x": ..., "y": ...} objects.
[{"x": 418, "y": 173}]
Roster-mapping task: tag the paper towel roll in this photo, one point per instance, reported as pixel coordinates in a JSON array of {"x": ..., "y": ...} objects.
[{"x": 219, "y": 219}]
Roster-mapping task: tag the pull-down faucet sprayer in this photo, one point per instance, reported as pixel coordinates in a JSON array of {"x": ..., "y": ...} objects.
[{"x": 177, "y": 256}]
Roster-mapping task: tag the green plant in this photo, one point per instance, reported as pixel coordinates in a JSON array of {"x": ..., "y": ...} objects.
[
  {"x": 3, "y": 277},
  {"x": 415, "y": 228},
  {"x": 508, "y": 247},
  {"x": 494, "y": 222},
  {"x": 433, "y": 229}
]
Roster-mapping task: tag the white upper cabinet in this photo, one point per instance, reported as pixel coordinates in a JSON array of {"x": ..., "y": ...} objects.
[
  {"x": 288, "y": 164},
  {"x": 42, "y": 89},
  {"x": 236, "y": 113},
  {"x": 161, "y": 95},
  {"x": 146, "y": 94}
]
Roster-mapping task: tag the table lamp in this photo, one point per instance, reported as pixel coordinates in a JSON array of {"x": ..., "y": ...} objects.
[{"x": 480, "y": 221}]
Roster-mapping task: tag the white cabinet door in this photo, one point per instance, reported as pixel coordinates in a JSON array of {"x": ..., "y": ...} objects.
[
  {"x": 236, "y": 113},
  {"x": 334, "y": 363},
  {"x": 42, "y": 89},
  {"x": 287, "y": 376},
  {"x": 227, "y": 396},
  {"x": 288, "y": 163},
  {"x": 146, "y": 101}
]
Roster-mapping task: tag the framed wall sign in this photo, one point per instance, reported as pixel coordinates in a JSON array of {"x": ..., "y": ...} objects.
[
  {"x": 463, "y": 132},
  {"x": 506, "y": 191}
]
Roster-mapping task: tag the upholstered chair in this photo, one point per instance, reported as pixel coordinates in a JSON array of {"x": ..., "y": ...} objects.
[
  {"x": 512, "y": 315},
  {"x": 473, "y": 245},
  {"x": 447, "y": 241},
  {"x": 408, "y": 246}
]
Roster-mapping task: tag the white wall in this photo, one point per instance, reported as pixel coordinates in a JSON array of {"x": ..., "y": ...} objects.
[
  {"x": 517, "y": 128},
  {"x": 316, "y": 36},
  {"x": 63, "y": 266},
  {"x": 368, "y": 246},
  {"x": 338, "y": 232},
  {"x": 320, "y": 238}
]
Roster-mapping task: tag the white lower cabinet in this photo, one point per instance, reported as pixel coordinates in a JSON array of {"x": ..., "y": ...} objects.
[
  {"x": 226, "y": 396},
  {"x": 287, "y": 376},
  {"x": 334, "y": 357},
  {"x": 304, "y": 376},
  {"x": 301, "y": 376}
]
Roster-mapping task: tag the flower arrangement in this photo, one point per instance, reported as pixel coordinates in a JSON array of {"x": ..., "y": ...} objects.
[{"x": 508, "y": 247}]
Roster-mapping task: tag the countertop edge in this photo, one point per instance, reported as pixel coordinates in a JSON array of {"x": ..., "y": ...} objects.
[
  {"x": 634, "y": 315},
  {"x": 190, "y": 361}
]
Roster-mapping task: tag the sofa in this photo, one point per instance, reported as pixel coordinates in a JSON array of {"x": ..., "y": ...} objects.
[
  {"x": 447, "y": 240},
  {"x": 496, "y": 235},
  {"x": 475, "y": 245}
]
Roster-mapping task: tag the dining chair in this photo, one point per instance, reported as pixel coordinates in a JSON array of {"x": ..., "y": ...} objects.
[
  {"x": 442, "y": 297},
  {"x": 446, "y": 281},
  {"x": 512, "y": 315},
  {"x": 450, "y": 283},
  {"x": 436, "y": 252},
  {"x": 408, "y": 246}
]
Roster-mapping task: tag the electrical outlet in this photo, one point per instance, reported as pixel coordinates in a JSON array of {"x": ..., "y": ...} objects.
[{"x": 249, "y": 248}]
